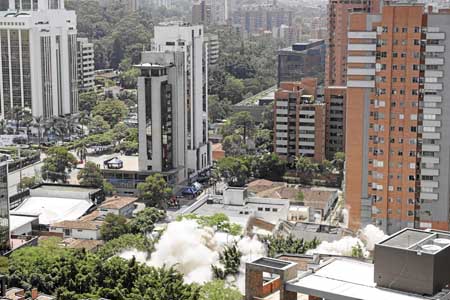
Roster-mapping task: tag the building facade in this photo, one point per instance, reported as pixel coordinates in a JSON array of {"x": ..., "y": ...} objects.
[
  {"x": 299, "y": 128},
  {"x": 338, "y": 14},
  {"x": 86, "y": 65},
  {"x": 257, "y": 18},
  {"x": 189, "y": 39},
  {"x": 397, "y": 169},
  {"x": 213, "y": 46},
  {"x": 335, "y": 100},
  {"x": 162, "y": 113},
  {"x": 301, "y": 60},
  {"x": 39, "y": 58},
  {"x": 4, "y": 209}
]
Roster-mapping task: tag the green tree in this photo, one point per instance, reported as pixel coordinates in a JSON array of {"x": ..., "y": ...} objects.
[
  {"x": 57, "y": 164},
  {"x": 113, "y": 227},
  {"x": 243, "y": 123},
  {"x": 233, "y": 145},
  {"x": 306, "y": 166},
  {"x": 268, "y": 166},
  {"x": 288, "y": 245},
  {"x": 264, "y": 140},
  {"x": 88, "y": 101},
  {"x": 123, "y": 242},
  {"x": 98, "y": 125},
  {"x": 218, "y": 109},
  {"x": 218, "y": 290},
  {"x": 90, "y": 175},
  {"x": 155, "y": 191},
  {"x": 230, "y": 259},
  {"x": 233, "y": 89},
  {"x": 120, "y": 131},
  {"x": 268, "y": 120},
  {"x": 128, "y": 78},
  {"x": 339, "y": 160},
  {"x": 28, "y": 182},
  {"x": 233, "y": 170},
  {"x": 357, "y": 251},
  {"x": 112, "y": 111},
  {"x": 145, "y": 220}
]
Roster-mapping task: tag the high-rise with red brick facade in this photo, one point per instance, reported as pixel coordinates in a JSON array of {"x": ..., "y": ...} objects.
[
  {"x": 338, "y": 14},
  {"x": 299, "y": 128},
  {"x": 397, "y": 151}
]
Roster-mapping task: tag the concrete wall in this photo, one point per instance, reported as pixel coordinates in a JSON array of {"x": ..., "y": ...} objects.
[{"x": 82, "y": 234}]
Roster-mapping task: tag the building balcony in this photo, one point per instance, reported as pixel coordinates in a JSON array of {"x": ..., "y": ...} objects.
[
  {"x": 435, "y": 36},
  {"x": 362, "y": 47},
  {"x": 434, "y": 48},
  {"x": 361, "y": 59},
  {"x": 361, "y": 71},
  {"x": 432, "y": 98},
  {"x": 361, "y": 83},
  {"x": 433, "y": 74},
  {"x": 362, "y": 35},
  {"x": 433, "y": 61}
]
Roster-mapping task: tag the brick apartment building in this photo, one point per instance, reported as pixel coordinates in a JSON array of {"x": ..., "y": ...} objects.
[
  {"x": 397, "y": 149},
  {"x": 299, "y": 121},
  {"x": 335, "y": 100}
]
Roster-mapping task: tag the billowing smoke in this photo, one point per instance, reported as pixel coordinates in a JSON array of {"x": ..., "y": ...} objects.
[
  {"x": 188, "y": 247},
  {"x": 342, "y": 247},
  {"x": 193, "y": 249},
  {"x": 371, "y": 235},
  {"x": 345, "y": 217},
  {"x": 251, "y": 249},
  {"x": 367, "y": 238}
]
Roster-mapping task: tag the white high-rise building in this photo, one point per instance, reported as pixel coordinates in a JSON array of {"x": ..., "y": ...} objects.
[
  {"x": 162, "y": 113},
  {"x": 188, "y": 39},
  {"x": 38, "y": 50},
  {"x": 86, "y": 65}
]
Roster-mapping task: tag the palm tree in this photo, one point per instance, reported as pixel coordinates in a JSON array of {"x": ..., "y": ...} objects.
[
  {"x": 39, "y": 124},
  {"x": 17, "y": 115},
  {"x": 84, "y": 120},
  {"x": 27, "y": 120},
  {"x": 2, "y": 126}
]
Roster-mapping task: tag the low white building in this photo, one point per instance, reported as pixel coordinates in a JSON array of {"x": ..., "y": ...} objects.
[
  {"x": 123, "y": 206},
  {"x": 84, "y": 230}
]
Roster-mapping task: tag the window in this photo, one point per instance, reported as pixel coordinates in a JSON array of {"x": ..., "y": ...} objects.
[
  {"x": 404, "y": 29},
  {"x": 274, "y": 209},
  {"x": 267, "y": 209},
  {"x": 260, "y": 209},
  {"x": 67, "y": 232}
]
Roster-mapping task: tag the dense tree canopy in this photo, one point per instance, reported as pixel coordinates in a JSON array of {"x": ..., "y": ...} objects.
[
  {"x": 76, "y": 274},
  {"x": 155, "y": 191},
  {"x": 111, "y": 110},
  {"x": 57, "y": 164}
]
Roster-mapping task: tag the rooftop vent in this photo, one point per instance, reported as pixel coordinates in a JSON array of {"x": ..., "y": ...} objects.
[{"x": 414, "y": 261}]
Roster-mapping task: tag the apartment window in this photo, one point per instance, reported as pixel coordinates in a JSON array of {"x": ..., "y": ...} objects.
[
  {"x": 411, "y": 178},
  {"x": 416, "y": 29},
  {"x": 412, "y": 153},
  {"x": 260, "y": 209},
  {"x": 404, "y": 29},
  {"x": 396, "y": 29},
  {"x": 394, "y": 67},
  {"x": 394, "y": 79},
  {"x": 267, "y": 209},
  {"x": 403, "y": 55},
  {"x": 384, "y": 29},
  {"x": 395, "y": 42},
  {"x": 399, "y": 189},
  {"x": 402, "y": 79},
  {"x": 394, "y": 54},
  {"x": 410, "y": 213},
  {"x": 416, "y": 42}
]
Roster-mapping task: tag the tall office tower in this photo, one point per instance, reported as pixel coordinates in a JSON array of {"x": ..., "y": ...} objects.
[
  {"x": 299, "y": 121},
  {"x": 201, "y": 13},
  {"x": 335, "y": 100},
  {"x": 38, "y": 51},
  {"x": 4, "y": 209},
  {"x": 338, "y": 13},
  {"x": 397, "y": 152},
  {"x": 301, "y": 60},
  {"x": 86, "y": 64},
  {"x": 188, "y": 39},
  {"x": 162, "y": 113}
]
